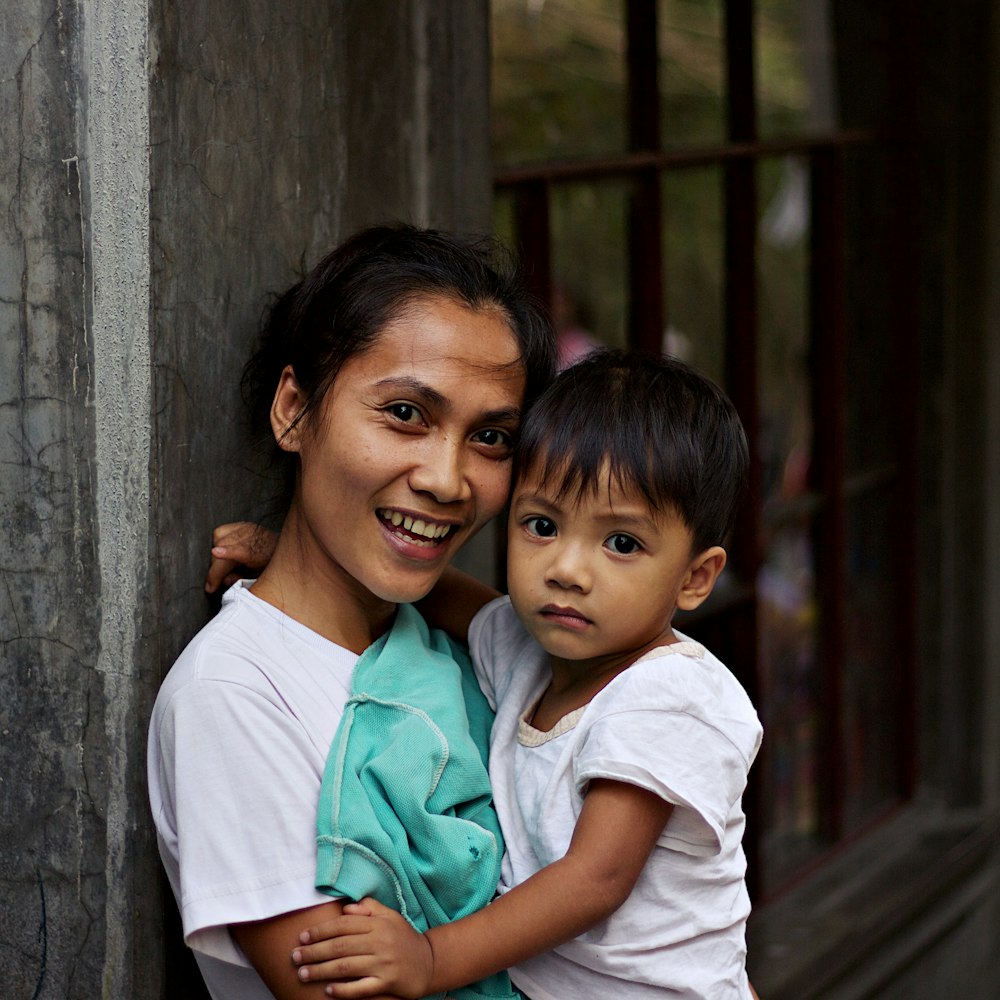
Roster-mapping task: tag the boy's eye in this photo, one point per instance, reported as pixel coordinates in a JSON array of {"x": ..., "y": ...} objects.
[
  {"x": 624, "y": 545},
  {"x": 540, "y": 526}
]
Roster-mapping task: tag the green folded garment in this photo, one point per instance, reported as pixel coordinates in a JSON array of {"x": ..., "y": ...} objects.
[{"x": 406, "y": 812}]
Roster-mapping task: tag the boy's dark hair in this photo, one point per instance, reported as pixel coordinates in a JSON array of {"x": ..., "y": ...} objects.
[{"x": 667, "y": 431}]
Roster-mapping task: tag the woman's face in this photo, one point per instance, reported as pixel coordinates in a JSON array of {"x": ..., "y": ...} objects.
[{"x": 409, "y": 453}]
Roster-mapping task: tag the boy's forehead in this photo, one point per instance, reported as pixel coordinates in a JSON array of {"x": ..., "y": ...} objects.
[{"x": 565, "y": 487}]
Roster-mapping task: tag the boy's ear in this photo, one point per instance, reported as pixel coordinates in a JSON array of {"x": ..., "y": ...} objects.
[
  {"x": 288, "y": 403},
  {"x": 702, "y": 573}
]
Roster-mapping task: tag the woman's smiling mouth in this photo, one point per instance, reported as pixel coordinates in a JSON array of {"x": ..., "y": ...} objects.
[{"x": 417, "y": 531}]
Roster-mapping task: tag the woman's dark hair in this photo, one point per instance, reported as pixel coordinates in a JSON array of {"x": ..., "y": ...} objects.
[
  {"x": 339, "y": 309},
  {"x": 665, "y": 430}
]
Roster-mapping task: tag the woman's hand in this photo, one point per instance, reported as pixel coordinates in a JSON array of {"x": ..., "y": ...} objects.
[
  {"x": 371, "y": 945},
  {"x": 239, "y": 549}
]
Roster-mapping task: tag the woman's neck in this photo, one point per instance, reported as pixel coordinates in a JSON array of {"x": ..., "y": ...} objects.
[{"x": 322, "y": 597}]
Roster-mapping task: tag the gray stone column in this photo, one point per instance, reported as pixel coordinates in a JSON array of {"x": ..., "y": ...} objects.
[{"x": 163, "y": 167}]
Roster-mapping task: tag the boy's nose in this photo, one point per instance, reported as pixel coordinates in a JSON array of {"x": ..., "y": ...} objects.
[{"x": 569, "y": 569}]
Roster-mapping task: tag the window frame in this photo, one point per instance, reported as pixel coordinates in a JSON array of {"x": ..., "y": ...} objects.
[{"x": 643, "y": 165}]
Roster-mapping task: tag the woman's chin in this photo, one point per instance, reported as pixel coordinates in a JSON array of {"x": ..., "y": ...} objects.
[{"x": 406, "y": 588}]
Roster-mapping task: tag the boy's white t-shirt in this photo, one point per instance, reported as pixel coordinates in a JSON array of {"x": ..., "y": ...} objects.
[
  {"x": 676, "y": 723},
  {"x": 237, "y": 746}
]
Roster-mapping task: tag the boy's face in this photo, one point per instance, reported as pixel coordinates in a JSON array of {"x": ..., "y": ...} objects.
[{"x": 600, "y": 578}]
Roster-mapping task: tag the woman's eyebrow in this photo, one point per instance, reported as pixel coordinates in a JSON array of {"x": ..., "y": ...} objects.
[
  {"x": 414, "y": 387},
  {"x": 505, "y": 415},
  {"x": 429, "y": 395}
]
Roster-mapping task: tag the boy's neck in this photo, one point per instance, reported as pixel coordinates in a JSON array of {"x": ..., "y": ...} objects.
[{"x": 575, "y": 683}]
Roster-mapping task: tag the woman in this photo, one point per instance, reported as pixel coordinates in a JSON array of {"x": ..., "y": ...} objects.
[{"x": 395, "y": 375}]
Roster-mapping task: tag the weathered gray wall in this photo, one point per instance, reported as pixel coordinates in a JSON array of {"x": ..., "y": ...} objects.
[
  {"x": 54, "y": 697},
  {"x": 162, "y": 168}
]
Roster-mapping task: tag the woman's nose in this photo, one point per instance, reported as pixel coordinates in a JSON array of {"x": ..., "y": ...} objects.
[{"x": 441, "y": 472}]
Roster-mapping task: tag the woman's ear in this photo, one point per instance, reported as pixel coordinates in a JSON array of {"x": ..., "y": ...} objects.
[
  {"x": 289, "y": 401},
  {"x": 702, "y": 573}
]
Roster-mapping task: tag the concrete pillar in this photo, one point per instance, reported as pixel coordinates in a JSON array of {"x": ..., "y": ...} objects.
[{"x": 163, "y": 167}]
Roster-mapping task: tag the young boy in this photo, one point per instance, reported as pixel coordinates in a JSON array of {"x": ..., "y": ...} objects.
[{"x": 620, "y": 749}]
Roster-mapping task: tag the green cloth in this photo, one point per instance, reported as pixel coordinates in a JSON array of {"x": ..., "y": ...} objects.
[{"x": 406, "y": 812}]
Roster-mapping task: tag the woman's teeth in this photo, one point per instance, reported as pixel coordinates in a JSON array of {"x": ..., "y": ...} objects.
[{"x": 422, "y": 532}]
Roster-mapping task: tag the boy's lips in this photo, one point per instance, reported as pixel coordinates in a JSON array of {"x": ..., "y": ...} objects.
[
  {"x": 415, "y": 529},
  {"x": 569, "y": 617}
]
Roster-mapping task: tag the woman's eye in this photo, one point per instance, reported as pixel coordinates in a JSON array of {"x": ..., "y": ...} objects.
[
  {"x": 405, "y": 413},
  {"x": 624, "y": 545},
  {"x": 493, "y": 437},
  {"x": 540, "y": 526}
]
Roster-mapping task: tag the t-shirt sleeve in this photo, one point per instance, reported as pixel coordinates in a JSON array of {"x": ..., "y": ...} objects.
[
  {"x": 675, "y": 752},
  {"x": 484, "y": 642},
  {"x": 238, "y": 791}
]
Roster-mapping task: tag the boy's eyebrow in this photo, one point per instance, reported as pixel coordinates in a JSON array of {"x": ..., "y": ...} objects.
[
  {"x": 429, "y": 395},
  {"x": 534, "y": 500},
  {"x": 621, "y": 519},
  {"x": 636, "y": 520}
]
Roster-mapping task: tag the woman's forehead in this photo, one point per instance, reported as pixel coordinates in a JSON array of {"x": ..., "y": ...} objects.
[
  {"x": 444, "y": 351},
  {"x": 450, "y": 336}
]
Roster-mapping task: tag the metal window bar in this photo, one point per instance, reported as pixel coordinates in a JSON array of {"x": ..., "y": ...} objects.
[
  {"x": 644, "y": 164},
  {"x": 645, "y": 267},
  {"x": 827, "y": 465}
]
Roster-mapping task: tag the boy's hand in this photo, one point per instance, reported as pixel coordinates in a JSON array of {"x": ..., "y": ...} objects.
[
  {"x": 371, "y": 945},
  {"x": 238, "y": 549}
]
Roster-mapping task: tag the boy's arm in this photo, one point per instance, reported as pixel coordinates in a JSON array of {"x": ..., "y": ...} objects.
[
  {"x": 614, "y": 836},
  {"x": 617, "y": 829},
  {"x": 238, "y": 547},
  {"x": 454, "y": 601}
]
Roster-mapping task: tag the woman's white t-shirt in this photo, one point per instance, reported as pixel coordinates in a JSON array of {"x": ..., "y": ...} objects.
[
  {"x": 237, "y": 745},
  {"x": 676, "y": 723}
]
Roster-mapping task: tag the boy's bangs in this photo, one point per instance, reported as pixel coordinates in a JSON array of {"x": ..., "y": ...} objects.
[
  {"x": 582, "y": 455},
  {"x": 653, "y": 427}
]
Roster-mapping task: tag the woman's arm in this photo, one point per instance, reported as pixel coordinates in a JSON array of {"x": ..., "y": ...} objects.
[
  {"x": 454, "y": 601},
  {"x": 617, "y": 829},
  {"x": 268, "y": 943}
]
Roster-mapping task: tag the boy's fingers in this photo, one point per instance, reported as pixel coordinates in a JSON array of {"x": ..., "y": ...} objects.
[
  {"x": 367, "y": 987},
  {"x": 239, "y": 549},
  {"x": 245, "y": 540},
  {"x": 356, "y": 970},
  {"x": 369, "y": 907},
  {"x": 234, "y": 532},
  {"x": 364, "y": 907},
  {"x": 220, "y": 572},
  {"x": 341, "y": 968},
  {"x": 343, "y": 936}
]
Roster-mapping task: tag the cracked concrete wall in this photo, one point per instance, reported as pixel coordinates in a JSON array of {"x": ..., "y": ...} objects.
[{"x": 163, "y": 168}]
